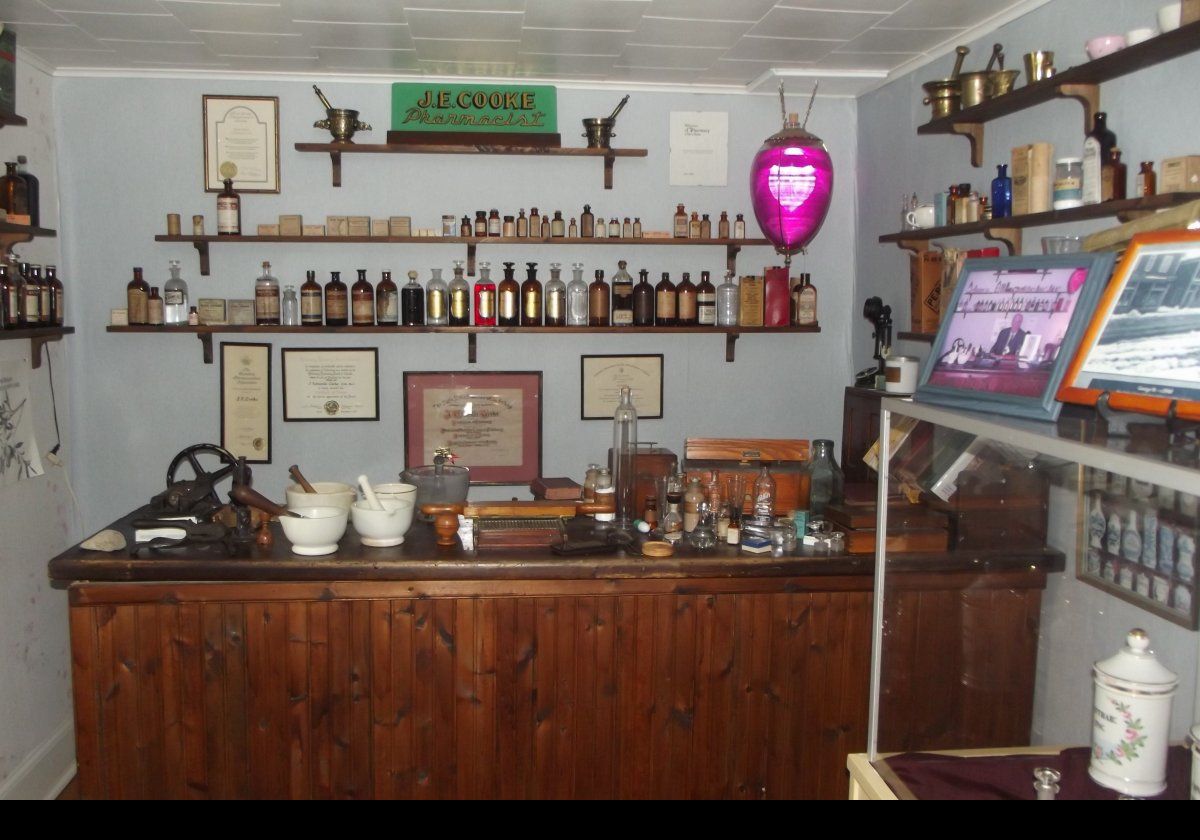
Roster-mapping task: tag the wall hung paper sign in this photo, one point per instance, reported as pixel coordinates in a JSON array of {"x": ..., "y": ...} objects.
[
  {"x": 1010, "y": 332},
  {"x": 246, "y": 400},
  {"x": 699, "y": 148},
  {"x": 19, "y": 458},
  {"x": 1143, "y": 345},
  {"x": 491, "y": 109},
  {"x": 241, "y": 141},
  {"x": 492, "y": 422},
  {"x": 334, "y": 384},
  {"x": 603, "y": 377}
]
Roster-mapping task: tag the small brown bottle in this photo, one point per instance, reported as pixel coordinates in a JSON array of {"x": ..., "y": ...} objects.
[
  {"x": 310, "y": 301},
  {"x": 598, "y": 300},
  {"x": 57, "y": 296},
  {"x": 705, "y": 227},
  {"x": 531, "y": 297},
  {"x": 31, "y": 296},
  {"x": 681, "y": 222},
  {"x": 643, "y": 301},
  {"x": 45, "y": 298},
  {"x": 387, "y": 301},
  {"x": 723, "y": 226},
  {"x": 481, "y": 224},
  {"x": 508, "y": 297},
  {"x": 739, "y": 227},
  {"x": 362, "y": 301},
  {"x": 1147, "y": 179},
  {"x": 587, "y": 222},
  {"x": 665, "y": 301},
  {"x": 154, "y": 308},
  {"x": 687, "y": 311},
  {"x": 495, "y": 226},
  {"x": 14, "y": 192},
  {"x": 465, "y": 229},
  {"x": 336, "y": 301},
  {"x": 1114, "y": 176},
  {"x": 229, "y": 211},
  {"x": 137, "y": 294},
  {"x": 706, "y": 301},
  {"x": 10, "y": 301},
  {"x": 535, "y": 223}
]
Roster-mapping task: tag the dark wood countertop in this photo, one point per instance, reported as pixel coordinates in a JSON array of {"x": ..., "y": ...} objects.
[{"x": 420, "y": 559}]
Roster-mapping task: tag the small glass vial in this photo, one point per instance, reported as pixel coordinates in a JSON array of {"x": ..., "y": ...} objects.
[
  {"x": 739, "y": 227},
  {"x": 556, "y": 298},
  {"x": 485, "y": 297},
  {"x": 1147, "y": 179},
  {"x": 266, "y": 297},
  {"x": 465, "y": 230},
  {"x": 545, "y": 227},
  {"x": 522, "y": 225},
  {"x": 289, "y": 307},
  {"x": 573, "y": 229},
  {"x": 495, "y": 226},
  {"x": 481, "y": 224},
  {"x": 637, "y": 227},
  {"x": 437, "y": 310},
  {"x": 577, "y": 298},
  {"x": 387, "y": 300}
]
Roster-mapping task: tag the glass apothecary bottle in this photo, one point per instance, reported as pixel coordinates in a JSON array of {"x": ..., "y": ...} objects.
[
  {"x": 556, "y": 298},
  {"x": 625, "y": 458},
  {"x": 175, "y": 296},
  {"x": 266, "y": 297},
  {"x": 485, "y": 297},
  {"x": 598, "y": 301},
  {"x": 531, "y": 297},
  {"x": 289, "y": 307},
  {"x": 459, "y": 297},
  {"x": 312, "y": 309},
  {"x": 727, "y": 302},
  {"x": 622, "y": 297},
  {"x": 577, "y": 298},
  {"x": 437, "y": 311},
  {"x": 1001, "y": 193},
  {"x": 825, "y": 480},
  {"x": 387, "y": 300},
  {"x": 508, "y": 298},
  {"x": 643, "y": 301}
]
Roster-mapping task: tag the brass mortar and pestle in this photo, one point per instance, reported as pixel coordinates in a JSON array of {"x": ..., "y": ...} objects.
[
  {"x": 340, "y": 122},
  {"x": 1000, "y": 81},
  {"x": 945, "y": 95},
  {"x": 599, "y": 130}
]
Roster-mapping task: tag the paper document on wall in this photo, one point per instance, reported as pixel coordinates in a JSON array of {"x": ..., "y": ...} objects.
[
  {"x": 19, "y": 457},
  {"x": 699, "y": 148}
]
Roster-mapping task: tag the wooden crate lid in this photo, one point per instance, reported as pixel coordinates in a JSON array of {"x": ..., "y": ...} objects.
[{"x": 745, "y": 449}]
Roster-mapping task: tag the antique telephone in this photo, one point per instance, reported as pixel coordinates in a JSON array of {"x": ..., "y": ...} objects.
[{"x": 880, "y": 317}]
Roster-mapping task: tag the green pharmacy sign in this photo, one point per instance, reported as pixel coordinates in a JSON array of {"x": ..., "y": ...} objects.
[{"x": 515, "y": 109}]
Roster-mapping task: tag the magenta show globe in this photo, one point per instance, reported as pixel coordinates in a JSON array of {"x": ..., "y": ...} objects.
[{"x": 791, "y": 182}]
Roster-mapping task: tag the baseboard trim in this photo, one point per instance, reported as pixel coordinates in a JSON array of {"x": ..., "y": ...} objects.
[{"x": 45, "y": 771}]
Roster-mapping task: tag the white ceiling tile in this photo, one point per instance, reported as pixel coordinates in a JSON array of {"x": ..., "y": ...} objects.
[
  {"x": 885, "y": 6},
  {"x": 440, "y": 67},
  {"x": 132, "y": 7},
  {"x": 27, "y": 11},
  {"x": 864, "y": 60},
  {"x": 206, "y": 15},
  {"x": 555, "y": 65},
  {"x": 348, "y": 59},
  {"x": 358, "y": 11},
  {"x": 380, "y": 36},
  {"x": 586, "y": 14},
  {"x": 470, "y": 5},
  {"x": 931, "y": 14},
  {"x": 689, "y": 33},
  {"x": 142, "y": 51},
  {"x": 132, "y": 27},
  {"x": 483, "y": 26},
  {"x": 457, "y": 50},
  {"x": 274, "y": 63},
  {"x": 686, "y": 58},
  {"x": 66, "y": 57},
  {"x": 662, "y": 75},
  {"x": 745, "y": 10},
  {"x": 899, "y": 40},
  {"x": 782, "y": 49},
  {"x": 573, "y": 41},
  {"x": 254, "y": 44},
  {"x": 65, "y": 35},
  {"x": 809, "y": 23}
]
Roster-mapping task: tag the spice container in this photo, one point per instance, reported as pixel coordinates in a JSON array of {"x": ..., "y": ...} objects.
[{"x": 1068, "y": 183}]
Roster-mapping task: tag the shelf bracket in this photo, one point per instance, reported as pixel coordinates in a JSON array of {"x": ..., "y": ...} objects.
[
  {"x": 35, "y": 346},
  {"x": 206, "y": 341},
  {"x": 202, "y": 250},
  {"x": 974, "y": 133},
  {"x": 730, "y": 341},
  {"x": 1130, "y": 215},
  {"x": 1011, "y": 237},
  {"x": 335, "y": 158},
  {"x": 1088, "y": 96},
  {"x": 471, "y": 259},
  {"x": 472, "y": 351},
  {"x": 608, "y": 169},
  {"x": 731, "y": 252},
  {"x": 917, "y": 246}
]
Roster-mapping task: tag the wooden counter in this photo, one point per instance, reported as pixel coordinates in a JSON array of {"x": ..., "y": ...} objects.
[{"x": 420, "y": 673}]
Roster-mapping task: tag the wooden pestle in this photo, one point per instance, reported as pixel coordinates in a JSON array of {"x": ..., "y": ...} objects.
[{"x": 294, "y": 472}]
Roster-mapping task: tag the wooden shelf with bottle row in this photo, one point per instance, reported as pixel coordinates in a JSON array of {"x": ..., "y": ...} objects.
[
  {"x": 1081, "y": 83},
  {"x": 1008, "y": 230},
  {"x": 12, "y": 119},
  {"x": 201, "y": 243},
  {"x": 11, "y": 234},
  {"x": 37, "y": 336},
  {"x": 205, "y": 333},
  {"x": 336, "y": 150}
]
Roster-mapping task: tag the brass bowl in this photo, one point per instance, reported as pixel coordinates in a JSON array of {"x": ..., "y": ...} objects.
[
  {"x": 599, "y": 131},
  {"x": 1002, "y": 82},
  {"x": 342, "y": 123}
]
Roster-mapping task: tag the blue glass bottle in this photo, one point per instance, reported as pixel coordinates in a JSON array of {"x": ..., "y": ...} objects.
[{"x": 1001, "y": 193}]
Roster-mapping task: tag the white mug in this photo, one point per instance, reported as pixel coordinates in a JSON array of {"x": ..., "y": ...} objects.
[
  {"x": 1169, "y": 16},
  {"x": 921, "y": 217}
]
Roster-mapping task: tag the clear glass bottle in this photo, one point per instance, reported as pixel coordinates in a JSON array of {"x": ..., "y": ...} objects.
[
  {"x": 229, "y": 211},
  {"x": 764, "y": 495},
  {"x": 387, "y": 300},
  {"x": 672, "y": 519},
  {"x": 458, "y": 298},
  {"x": 692, "y": 498},
  {"x": 643, "y": 301},
  {"x": 739, "y": 227},
  {"x": 437, "y": 304},
  {"x": 531, "y": 295},
  {"x": 508, "y": 298},
  {"x": 625, "y": 458},
  {"x": 289, "y": 307},
  {"x": 556, "y": 298},
  {"x": 598, "y": 301},
  {"x": 589, "y": 482},
  {"x": 587, "y": 222},
  {"x": 311, "y": 309},
  {"x": 637, "y": 227},
  {"x": 704, "y": 535},
  {"x": 266, "y": 297},
  {"x": 577, "y": 298},
  {"x": 727, "y": 302},
  {"x": 627, "y": 228},
  {"x": 485, "y": 297},
  {"x": 665, "y": 301},
  {"x": 154, "y": 307},
  {"x": 535, "y": 223},
  {"x": 522, "y": 225},
  {"x": 601, "y": 230},
  {"x": 362, "y": 301},
  {"x": 622, "y": 297},
  {"x": 136, "y": 295},
  {"x": 605, "y": 491},
  {"x": 825, "y": 480},
  {"x": 175, "y": 296}
]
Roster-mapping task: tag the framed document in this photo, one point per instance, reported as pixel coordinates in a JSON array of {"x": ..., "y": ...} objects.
[
  {"x": 337, "y": 384},
  {"x": 602, "y": 378},
  {"x": 246, "y": 400},
  {"x": 241, "y": 141},
  {"x": 491, "y": 422}
]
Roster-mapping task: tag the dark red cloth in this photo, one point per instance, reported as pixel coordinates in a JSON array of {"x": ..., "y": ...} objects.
[{"x": 930, "y": 776}]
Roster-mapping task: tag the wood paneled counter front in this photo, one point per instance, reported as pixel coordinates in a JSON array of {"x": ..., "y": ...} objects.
[{"x": 414, "y": 672}]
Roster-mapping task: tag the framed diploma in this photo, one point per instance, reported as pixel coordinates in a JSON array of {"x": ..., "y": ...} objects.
[
  {"x": 336, "y": 384},
  {"x": 602, "y": 378},
  {"x": 492, "y": 422},
  {"x": 246, "y": 400},
  {"x": 241, "y": 141}
]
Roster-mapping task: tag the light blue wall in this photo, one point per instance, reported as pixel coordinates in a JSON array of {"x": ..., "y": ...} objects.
[{"x": 131, "y": 151}]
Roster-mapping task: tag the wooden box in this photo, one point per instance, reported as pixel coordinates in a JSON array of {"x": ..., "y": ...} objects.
[
  {"x": 786, "y": 458},
  {"x": 925, "y": 286},
  {"x": 910, "y": 527},
  {"x": 1190, "y": 13}
]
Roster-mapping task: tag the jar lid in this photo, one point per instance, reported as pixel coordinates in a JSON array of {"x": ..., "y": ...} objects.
[
  {"x": 1071, "y": 160},
  {"x": 1135, "y": 665}
]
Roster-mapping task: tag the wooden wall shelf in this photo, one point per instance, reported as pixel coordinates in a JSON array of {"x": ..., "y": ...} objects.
[
  {"x": 11, "y": 235},
  {"x": 38, "y": 336},
  {"x": 336, "y": 150},
  {"x": 201, "y": 243},
  {"x": 205, "y": 333},
  {"x": 1008, "y": 230},
  {"x": 12, "y": 119},
  {"x": 925, "y": 337},
  {"x": 1081, "y": 83}
]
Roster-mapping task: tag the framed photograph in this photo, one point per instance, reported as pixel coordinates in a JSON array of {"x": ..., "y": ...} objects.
[
  {"x": 241, "y": 141},
  {"x": 1138, "y": 543},
  {"x": 491, "y": 422},
  {"x": 602, "y": 377},
  {"x": 1010, "y": 331},
  {"x": 1143, "y": 345},
  {"x": 334, "y": 384},
  {"x": 246, "y": 400}
]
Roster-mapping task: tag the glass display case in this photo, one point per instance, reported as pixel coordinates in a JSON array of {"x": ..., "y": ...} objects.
[{"x": 1105, "y": 528}]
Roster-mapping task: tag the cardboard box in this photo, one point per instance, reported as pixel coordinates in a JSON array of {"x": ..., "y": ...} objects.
[
  {"x": 337, "y": 226},
  {"x": 777, "y": 297},
  {"x": 268, "y": 230},
  {"x": 211, "y": 310},
  {"x": 1190, "y": 13},
  {"x": 400, "y": 226},
  {"x": 118, "y": 317},
  {"x": 925, "y": 287},
  {"x": 1180, "y": 174},
  {"x": 241, "y": 313},
  {"x": 379, "y": 227},
  {"x": 291, "y": 225},
  {"x": 750, "y": 311},
  {"x": 313, "y": 230},
  {"x": 358, "y": 226},
  {"x": 1033, "y": 178}
]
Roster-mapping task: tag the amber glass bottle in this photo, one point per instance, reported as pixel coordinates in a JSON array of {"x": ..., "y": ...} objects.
[
  {"x": 622, "y": 297},
  {"x": 229, "y": 211},
  {"x": 686, "y": 309},
  {"x": 706, "y": 301},
  {"x": 387, "y": 300},
  {"x": 362, "y": 301},
  {"x": 665, "y": 301},
  {"x": 14, "y": 192},
  {"x": 137, "y": 295},
  {"x": 643, "y": 301},
  {"x": 336, "y": 301},
  {"x": 531, "y": 297},
  {"x": 598, "y": 300},
  {"x": 508, "y": 298},
  {"x": 311, "y": 314},
  {"x": 10, "y": 302}
]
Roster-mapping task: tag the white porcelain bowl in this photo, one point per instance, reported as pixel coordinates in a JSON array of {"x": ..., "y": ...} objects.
[
  {"x": 382, "y": 528},
  {"x": 316, "y": 531},
  {"x": 329, "y": 494},
  {"x": 395, "y": 491},
  {"x": 1104, "y": 45}
]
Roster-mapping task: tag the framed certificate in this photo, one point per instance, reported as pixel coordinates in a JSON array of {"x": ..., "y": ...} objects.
[
  {"x": 241, "y": 141},
  {"x": 491, "y": 422},
  {"x": 246, "y": 400},
  {"x": 337, "y": 384},
  {"x": 602, "y": 378}
]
